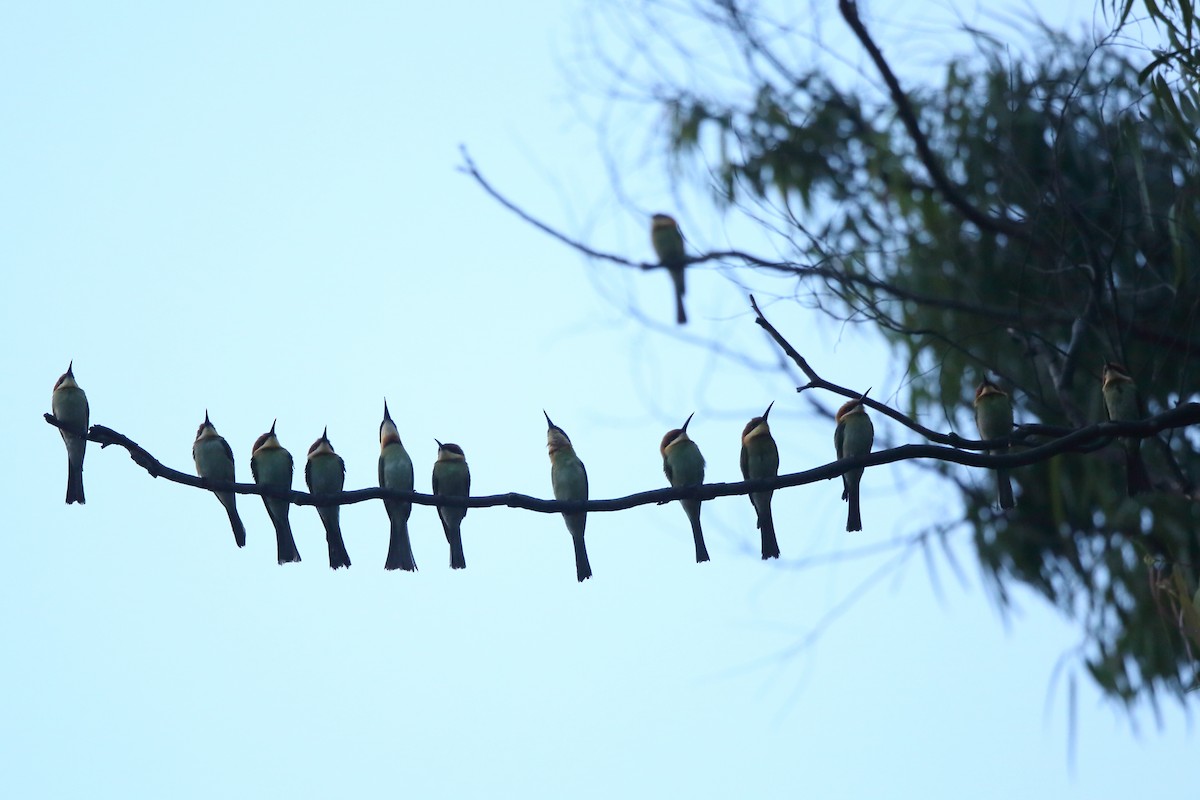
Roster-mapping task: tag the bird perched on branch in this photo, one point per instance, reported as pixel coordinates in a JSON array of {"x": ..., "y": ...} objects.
[
  {"x": 994, "y": 418},
  {"x": 396, "y": 472},
  {"x": 853, "y": 436},
  {"x": 69, "y": 405},
  {"x": 214, "y": 460},
  {"x": 1121, "y": 403},
  {"x": 668, "y": 246},
  {"x": 271, "y": 465},
  {"x": 325, "y": 473},
  {"x": 569, "y": 480},
  {"x": 452, "y": 478},
  {"x": 684, "y": 466},
  {"x": 760, "y": 459}
]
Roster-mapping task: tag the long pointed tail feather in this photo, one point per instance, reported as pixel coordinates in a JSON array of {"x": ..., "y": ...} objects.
[
  {"x": 235, "y": 521},
  {"x": 400, "y": 554}
]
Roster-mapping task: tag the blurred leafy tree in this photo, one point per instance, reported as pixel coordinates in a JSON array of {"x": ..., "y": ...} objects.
[{"x": 1029, "y": 218}]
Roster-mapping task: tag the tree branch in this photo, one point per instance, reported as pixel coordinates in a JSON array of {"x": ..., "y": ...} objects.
[
  {"x": 849, "y": 10},
  {"x": 1080, "y": 440}
]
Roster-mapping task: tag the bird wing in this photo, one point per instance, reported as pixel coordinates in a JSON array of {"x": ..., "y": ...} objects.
[{"x": 668, "y": 471}]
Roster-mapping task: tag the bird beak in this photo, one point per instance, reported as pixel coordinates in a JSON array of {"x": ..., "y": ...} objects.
[
  {"x": 386, "y": 415},
  {"x": 685, "y": 422},
  {"x": 325, "y": 433},
  {"x": 206, "y": 422},
  {"x": 768, "y": 411},
  {"x": 439, "y": 444},
  {"x": 547, "y": 416},
  {"x": 273, "y": 425}
]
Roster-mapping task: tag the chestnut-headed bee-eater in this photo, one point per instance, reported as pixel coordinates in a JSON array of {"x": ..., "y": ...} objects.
[
  {"x": 325, "y": 473},
  {"x": 569, "y": 480},
  {"x": 760, "y": 459},
  {"x": 994, "y": 418},
  {"x": 396, "y": 472},
  {"x": 452, "y": 478},
  {"x": 1121, "y": 403},
  {"x": 214, "y": 460},
  {"x": 69, "y": 405},
  {"x": 684, "y": 466},
  {"x": 271, "y": 465},
  {"x": 853, "y": 436},
  {"x": 668, "y": 246}
]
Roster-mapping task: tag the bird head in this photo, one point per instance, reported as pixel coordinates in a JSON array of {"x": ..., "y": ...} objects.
[
  {"x": 556, "y": 437},
  {"x": 321, "y": 446},
  {"x": 206, "y": 429},
  {"x": 67, "y": 379},
  {"x": 267, "y": 441},
  {"x": 388, "y": 432},
  {"x": 450, "y": 452},
  {"x": 852, "y": 407},
  {"x": 988, "y": 389},
  {"x": 757, "y": 426},
  {"x": 675, "y": 435}
]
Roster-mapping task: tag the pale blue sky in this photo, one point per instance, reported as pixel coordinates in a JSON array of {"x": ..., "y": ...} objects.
[{"x": 253, "y": 209}]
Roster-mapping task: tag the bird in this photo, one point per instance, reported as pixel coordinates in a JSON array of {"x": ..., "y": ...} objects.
[
  {"x": 568, "y": 478},
  {"x": 325, "y": 473},
  {"x": 214, "y": 460},
  {"x": 1121, "y": 403},
  {"x": 853, "y": 436},
  {"x": 668, "y": 246},
  {"x": 69, "y": 405},
  {"x": 684, "y": 466},
  {"x": 760, "y": 459},
  {"x": 271, "y": 465},
  {"x": 452, "y": 478},
  {"x": 994, "y": 418},
  {"x": 396, "y": 472}
]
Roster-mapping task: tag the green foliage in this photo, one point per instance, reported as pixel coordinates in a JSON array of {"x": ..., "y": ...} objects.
[{"x": 1102, "y": 183}]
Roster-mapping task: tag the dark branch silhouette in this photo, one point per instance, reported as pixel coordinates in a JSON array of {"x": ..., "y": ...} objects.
[
  {"x": 849, "y": 10},
  {"x": 1081, "y": 440}
]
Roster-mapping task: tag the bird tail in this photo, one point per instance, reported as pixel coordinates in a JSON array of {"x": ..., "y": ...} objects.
[
  {"x": 235, "y": 521},
  {"x": 75, "y": 450},
  {"x": 400, "y": 554},
  {"x": 853, "y": 515},
  {"x": 583, "y": 569},
  {"x": 74, "y": 485},
  {"x": 1137, "y": 479},
  {"x": 285, "y": 544},
  {"x": 692, "y": 507},
  {"x": 680, "y": 311},
  {"x": 766, "y": 526},
  {"x": 1004, "y": 489},
  {"x": 458, "y": 559},
  {"x": 338, "y": 557}
]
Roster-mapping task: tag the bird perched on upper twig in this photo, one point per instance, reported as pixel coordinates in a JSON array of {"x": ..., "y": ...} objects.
[
  {"x": 271, "y": 465},
  {"x": 214, "y": 460},
  {"x": 568, "y": 478},
  {"x": 325, "y": 473},
  {"x": 1121, "y": 403},
  {"x": 684, "y": 466},
  {"x": 760, "y": 459},
  {"x": 452, "y": 478},
  {"x": 853, "y": 436},
  {"x": 396, "y": 472},
  {"x": 668, "y": 246},
  {"x": 994, "y": 418},
  {"x": 69, "y": 405}
]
